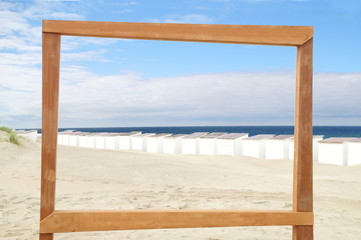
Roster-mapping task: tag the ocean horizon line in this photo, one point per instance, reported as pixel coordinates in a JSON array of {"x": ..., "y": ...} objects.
[
  {"x": 286, "y": 125},
  {"x": 326, "y": 131}
]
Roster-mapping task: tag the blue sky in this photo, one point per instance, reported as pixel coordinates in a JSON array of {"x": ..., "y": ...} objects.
[{"x": 113, "y": 82}]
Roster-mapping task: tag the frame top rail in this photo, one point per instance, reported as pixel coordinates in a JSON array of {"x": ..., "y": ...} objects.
[{"x": 215, "y": 33}]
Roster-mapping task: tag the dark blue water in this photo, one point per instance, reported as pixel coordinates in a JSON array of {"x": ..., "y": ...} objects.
[{"x": 327, "y": 131}]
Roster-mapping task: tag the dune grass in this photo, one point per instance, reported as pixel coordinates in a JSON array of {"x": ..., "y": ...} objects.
[
  {"x": 12, "y": 136},
  {"x": 7, "y": 129}
]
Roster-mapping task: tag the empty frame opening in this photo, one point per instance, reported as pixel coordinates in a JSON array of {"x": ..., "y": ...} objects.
[{"x": 228, "y": 95}]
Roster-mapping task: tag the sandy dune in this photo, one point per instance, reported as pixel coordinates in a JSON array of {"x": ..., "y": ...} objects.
[{"x": 104, "y": 179}]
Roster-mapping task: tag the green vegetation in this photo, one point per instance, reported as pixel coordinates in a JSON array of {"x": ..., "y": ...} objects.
[
  {"x": 7, "y": 130},
  {"x": 13, "y": 138},
  {"x": 11, "y": 135}
]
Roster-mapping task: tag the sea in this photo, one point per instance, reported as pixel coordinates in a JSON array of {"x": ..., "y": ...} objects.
[{"x": 326, "y": 131}]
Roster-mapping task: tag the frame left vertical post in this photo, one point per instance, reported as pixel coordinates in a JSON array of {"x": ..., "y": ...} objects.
[{"x": 50, "y": 105}]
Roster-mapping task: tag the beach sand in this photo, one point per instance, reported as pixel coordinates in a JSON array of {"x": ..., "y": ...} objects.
[{"x": 105, "y": 179}]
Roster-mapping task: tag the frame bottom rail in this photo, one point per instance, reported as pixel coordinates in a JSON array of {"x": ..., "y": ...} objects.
[{"x": 80, "y": 221}]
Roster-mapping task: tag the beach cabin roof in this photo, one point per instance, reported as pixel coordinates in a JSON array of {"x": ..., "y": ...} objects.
[
  {"x": 177, "y": 136},
  {"x": 135, "y": 132},
  {"x": 92, "y": 134},
  {"x": 260, "y": 137},
  {"x": 196, "y": 135},
  {"x": 101, "y": 134},
  {"x": 282, "y": 137},
  {"x": 83, "y": 133},
  {"x": 356, "y": 140},
  {"x": 25, "y": 131},
  {"x": 214, "y": 135},
  {"x": 144, "y": 135},
  {"x": 233, "y": 135},
  {"x": 66, "y": 131},
  {"x": 315, "y": 137},
  {"x": 124, "y": 134},
  {"x": 338, "y": 140},
  {"x": 112, "y": 134},
  {"x": 318, "y": 136},
  {"x": 72, "y": 133},
  {"x": 161, "y": 135}
]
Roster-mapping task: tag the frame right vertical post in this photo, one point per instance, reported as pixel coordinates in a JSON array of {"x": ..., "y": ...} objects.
[{"x": 303, "y": 162}]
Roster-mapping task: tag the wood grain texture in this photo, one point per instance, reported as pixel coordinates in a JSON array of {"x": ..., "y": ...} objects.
[
  {"x": 302, "y": 232},
  {"x": 51, "y": 68},
  {"x": 238, "y": 34},
  {"x": 303, "y": 162},
  {"x": 77, "y": 221}
]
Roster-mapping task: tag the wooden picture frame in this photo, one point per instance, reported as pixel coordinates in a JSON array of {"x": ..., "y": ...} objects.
[{"x": 300, "y": 217}]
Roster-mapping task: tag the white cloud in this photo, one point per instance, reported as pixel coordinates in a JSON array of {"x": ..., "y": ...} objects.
[
  {"x": 224, "y": 98},
  {"x": 69, "y": 43},
  {"x": 88, "y": 99},
  {"x": 84, "y": 56},
  {"x": 130, "y": 3},
  {"x": 13, "y": 43},
  {"x": 189, "y": 18},
  {"x": 49, "y": 10},
  {"x": 5, "y": 5},
  {"x": 63, "y": 15},
  {"x": 337, "y": 98},
  {"x": 12, "y": 22},
  {"x": 20, "y": 58}
]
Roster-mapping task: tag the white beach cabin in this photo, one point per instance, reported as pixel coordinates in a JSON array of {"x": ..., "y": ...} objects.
[
  {"x": 32, "y": 135},
  {"x": 125, "y": 142},
  {"x": 230, "y": 144},
  {"x": 190, "y": 143},
  {"x": 316, "y": 139},
  {"x": 90, "y": 140},
  {"x": 67, "y": 136},
  {"x": 173, "y": 144},
  {"x": 112, "y": 141},
  {"x": 139, "y": 142},
  {"x": 74, "y": 139},
  {"x": 207, "y": 143},
  {"x": 99, "y": 140},
  {"x": 119, "y": 140},
  {"x": 354, "y": 152},
  {"x": 277, "y": 147},
  {"x": 61, "y": 136},
  {"x": 64, "y": 138},
  {"x": 82, "y": 139},
  {"x": 255, "y": 146},
  {"x": 333, "y": 151},
  {"x": 155, "y": 142}
]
